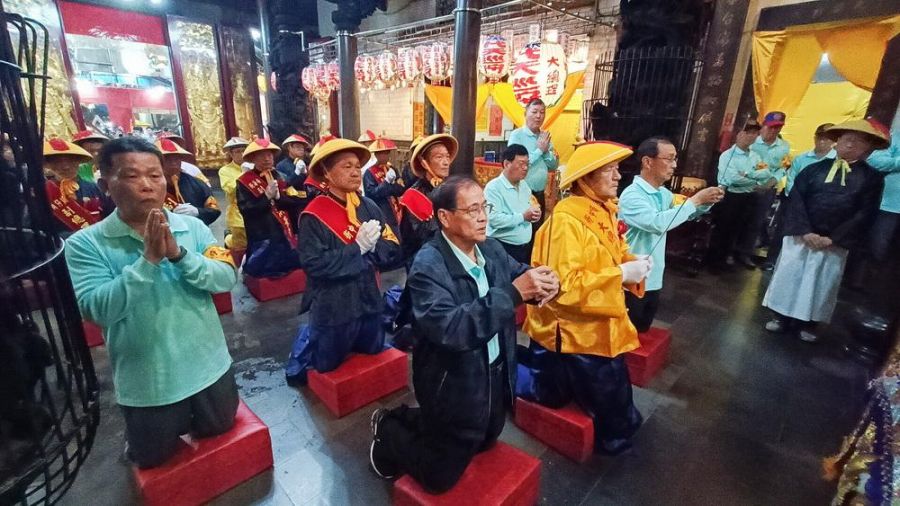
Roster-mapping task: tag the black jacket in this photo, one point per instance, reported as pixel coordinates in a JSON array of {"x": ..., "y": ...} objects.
[
  {"x": 841, "y": 213},
  {"x": 257, "y": 212},
  {"x": 413, "y": 231},
  {"x": 453, "y": 326},
  {"x": 341, "y": 283},
  {"x": 198, "y": 194},
  {"x": 381, "y": 194}
]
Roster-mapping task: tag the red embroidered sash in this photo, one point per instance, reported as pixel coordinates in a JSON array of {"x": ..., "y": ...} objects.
[
  {"x": 69, "y": 212},
  {"x": 334, "y": 216},
  {"x": 256, "y": 184},
  {"x": 319, "y": 185},
  {"x": 418, "y": 204}
]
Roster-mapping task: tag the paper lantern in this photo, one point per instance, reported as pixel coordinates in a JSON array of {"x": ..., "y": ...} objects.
[
  {"x": 409, "y": 66},
  {"x": 365, "y": 69},
  {"x": 494, "y": 60},
  {"x": 322, "y": 89},
  {"x": 539, "y": 71},
  {"x": 308, "y": 78},
  {"x": 436, "y": 61},
  {"x": 387, "y": 69},
  {"x": 334, "y": 75}
]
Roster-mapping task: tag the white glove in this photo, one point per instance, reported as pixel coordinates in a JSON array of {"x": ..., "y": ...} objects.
[
  {"x": 367, "y": 236},
  {"x": 391, "y": 176},
  {"x": 187, "y": 210},
  {"x": 647, "y": 258},
  {"x": 634, "y": 271},
  {"x": 247, "y": 166},
  {"x": 299, "y": 167}
]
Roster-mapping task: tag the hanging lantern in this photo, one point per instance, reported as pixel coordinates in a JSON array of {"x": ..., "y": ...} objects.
[
  {"x": 365, "y": 70},
  {"x": 539, "y": 71},
  {"x": 334, "y": 75},
  {"x": 409, "y": 66},
  {"x": 308, "y": 78},
  {"x": 387, "y": 69},
  {"x": 494, "y": 61},
  {"x": 436, "y": 62},
  {"x": 322, "y": 88}
]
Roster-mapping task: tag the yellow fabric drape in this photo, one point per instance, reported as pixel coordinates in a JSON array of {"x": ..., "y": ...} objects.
[
  {"x": 442, "y": 99},
  {"x": 785, "y": 61},
  {"x": 823, "y": 102}
]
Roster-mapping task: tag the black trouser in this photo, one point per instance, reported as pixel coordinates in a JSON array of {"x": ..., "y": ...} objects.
[
  {"x": 732, "y": 218},
  {"x": 777, "y": 238},
  {"x": 757, "y": 227},
  {"x": 521, "y": 252},
  {"x": 153, "y": 433},
  {"x": 429, "y": 451},
  {"x": 641, "y": 311}
]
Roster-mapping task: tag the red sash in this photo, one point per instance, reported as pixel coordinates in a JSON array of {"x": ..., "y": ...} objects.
[
  {"x": 334, "y": 216},
  {"x": 319, "y": 185},
  {"x": 256, "y": 184},
  {"x": 418, "y": 204},
  {"x": 69, "y": 212}
]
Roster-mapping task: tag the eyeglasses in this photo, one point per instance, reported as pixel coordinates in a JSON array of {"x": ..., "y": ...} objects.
[
  {"x": 477, "y": 209},
  {"x": 674, "y": 159}
]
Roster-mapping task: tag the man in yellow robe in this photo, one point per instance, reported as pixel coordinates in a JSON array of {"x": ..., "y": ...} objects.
[
  {"x": 236, "y": 238},
  {"x": 579, "y": 339}
]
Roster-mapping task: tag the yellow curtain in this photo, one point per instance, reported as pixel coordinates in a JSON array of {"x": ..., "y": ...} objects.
[
  {"x": 442, "y": 97},
  {"x": 856, "y": 50},
  {"x": 823, "y": 103}
]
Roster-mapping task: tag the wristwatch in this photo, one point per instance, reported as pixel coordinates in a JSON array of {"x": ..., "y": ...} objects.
[{"x": 181, "y": 253}]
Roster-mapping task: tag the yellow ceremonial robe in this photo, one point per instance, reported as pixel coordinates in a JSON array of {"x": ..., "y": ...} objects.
[
  {"x": 228, "y": 176},
  {"x": 582, "y": 244}
]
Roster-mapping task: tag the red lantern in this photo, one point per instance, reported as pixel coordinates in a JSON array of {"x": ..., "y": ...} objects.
[
  {"x": 436, "y": 62},
  {"x": 387, "y": 68},
  {"x": 334, "y": 75},
  {"x": 494, "y": 61},
  {"x": 308, "y": 78},
  {"x": 365, "y": 70},
  {"x": 539, "y": 72},
  {"x": 322, "y": 90},
  {"x": 409, "y": 65}
]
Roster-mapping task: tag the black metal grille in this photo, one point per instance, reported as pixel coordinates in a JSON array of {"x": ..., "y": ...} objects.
[
  {"x": 642, "y": 92},
  {"x": 48, "y": 390}
]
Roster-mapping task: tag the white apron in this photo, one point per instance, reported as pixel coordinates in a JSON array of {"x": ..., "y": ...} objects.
[{"x": 806, "y": 282}]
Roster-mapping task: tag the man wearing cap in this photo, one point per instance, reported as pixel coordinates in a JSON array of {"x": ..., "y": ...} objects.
[
  {"x": 382, "y": 184},
  {"x": 91, "y": 142},
  {"x": 76, "y": 203},
  {"x": 650, "y": 211},
  {"x": 293, "y": 166},
  {"x": 145, "y": 275},
  {"x": 344, "y": 243},
  {"x": 236, "y": 237},
  {"x": 578, "y": 339},
  {"x": 430, "y": 163},
  {"x": 831, "y": 206},
  {"x": 270, "y": 208},
  {"x": 185, "y": 194},
  {"x": 186, "y": 166},
  {"x": 465, "y": 288},
  {"x": 824, "y": 148},
  {"x": 741, "y": 173},
  {"x": 775, "y": 153},
  {"x": 542, "y": 157},
  {"x": 515, "y": 208}
]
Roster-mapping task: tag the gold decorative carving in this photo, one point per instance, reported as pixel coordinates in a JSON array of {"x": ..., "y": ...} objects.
[
  {"x": 200, "y": 71},
  {"x": 237, "y": 52},
  {"x": 59, "y": 108}
]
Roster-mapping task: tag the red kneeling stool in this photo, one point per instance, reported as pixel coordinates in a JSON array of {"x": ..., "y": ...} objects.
[
  {"x": 222, "y": 302},
  {"x": 93, "y": 334},
  {"x": 645, "y": 362},
  {"x": 265, "y": 289},
  {"x": 219, "y": 464},
  {"x": 568, "y": 430},
  {"x": 501, "y": 476},
  {"x": 360, "y": 380}
]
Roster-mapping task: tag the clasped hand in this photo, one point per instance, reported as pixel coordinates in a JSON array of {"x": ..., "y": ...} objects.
[
  {"x": 539, "y": 285},
  {"x": 367, "y": 236},
  {"x": 159, "y": 242},
  {"x": 816, "y": 241}
]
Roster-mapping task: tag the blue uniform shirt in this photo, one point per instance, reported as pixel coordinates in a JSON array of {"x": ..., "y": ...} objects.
[
  {"x": 801, "y": 162},
  {"x": 888, "y": 160},
  {"x": 506, "y": 223},
  {"x": 734, "y": 161},
  {"x": 538, "y": 162},
  {"x": 476, "y": 270},
  {"x": 650, "y": 213}
]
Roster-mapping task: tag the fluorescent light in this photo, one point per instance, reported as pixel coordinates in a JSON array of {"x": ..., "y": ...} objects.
[{"x": 254, "y": 33}]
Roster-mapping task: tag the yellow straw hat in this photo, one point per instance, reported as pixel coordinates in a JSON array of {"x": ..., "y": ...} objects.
[
  {"x": 415, "y": 142},
  {"x": 382, "y": 144},
  {"x": 295, "y": 138},
  {"x": 591, "y": 156},
  {"x": 879, "y": 134},
  {"x": 61, "y": 147},
  {"x": 167, "y": 147},
  {"x": 261, "y": 145},
  {"x": 322, "y": 140},
  {"x": 317, "y": 164},
  {"x": 446, "y": 139}
]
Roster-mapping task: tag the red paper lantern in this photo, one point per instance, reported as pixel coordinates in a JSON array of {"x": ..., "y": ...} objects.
[
  {"x": 365, "y": 70},
  {"x": 322, "y": 89},
  {"x": 409, "y": 65},
  {"x": 436, "y": 61},
  {"x": 494, "y": 60},
  {"x": 334, "y": 75},
  {"x": 387, "y": 69},
  {"x": 308, "y": 78},
  {"x": 539, "y": 72}
]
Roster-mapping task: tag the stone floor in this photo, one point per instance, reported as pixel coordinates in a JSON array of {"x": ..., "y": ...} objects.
[{"x": 738, "y": 416}]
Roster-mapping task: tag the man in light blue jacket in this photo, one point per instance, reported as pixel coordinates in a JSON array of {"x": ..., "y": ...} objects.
[
  {"x": 884, "y": 229},
  {"x": 650, "y": 210}
]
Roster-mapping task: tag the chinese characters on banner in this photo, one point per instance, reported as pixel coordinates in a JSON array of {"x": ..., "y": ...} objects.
[{"x": 539, "y": 71}]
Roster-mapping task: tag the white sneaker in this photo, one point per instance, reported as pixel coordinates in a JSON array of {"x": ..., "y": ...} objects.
[
  {"x": 808, "y": 337},
  {"x": 775, "y": 325}
]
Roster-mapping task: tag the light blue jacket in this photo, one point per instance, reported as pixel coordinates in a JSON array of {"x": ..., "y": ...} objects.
[
  {"x": 162, "y": 330},
  {"x": 732, "y": 162},
  {"x": 650, "y": 213},
  {"x": 888, "y": 160},
  {"x": 539, "y": 163},
  {"x": 506, "y": 222}
]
